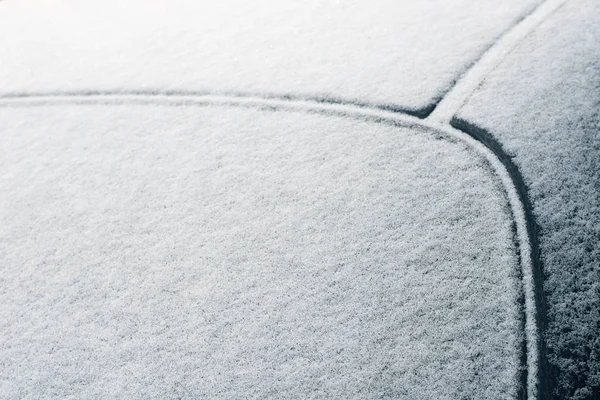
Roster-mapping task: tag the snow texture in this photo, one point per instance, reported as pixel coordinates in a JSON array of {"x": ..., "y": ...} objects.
[
  {"x": 543, "y": 105},
  {"x": 155, "y": 251},
  {"x": 398, "y": 54}
]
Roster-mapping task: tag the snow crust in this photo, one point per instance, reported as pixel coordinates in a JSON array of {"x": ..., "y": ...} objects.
[
  {"x": 403, "y": 54},
  {"x": 224, "y": 252},
  {"x": 542, "y": 105}
]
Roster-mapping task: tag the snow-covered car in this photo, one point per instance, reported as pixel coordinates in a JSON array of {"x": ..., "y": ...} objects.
[{"x": 300, "y": 199}]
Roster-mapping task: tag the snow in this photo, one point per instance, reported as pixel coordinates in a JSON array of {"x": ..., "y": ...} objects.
[
  {"x": 179, "y": 251},
  {"x": 400, "y": 54},
  {"x": 541, "y": 104}
]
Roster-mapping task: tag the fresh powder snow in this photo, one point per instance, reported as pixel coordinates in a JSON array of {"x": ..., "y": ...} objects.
[
  {"x": 163, "y": 250},
  {"x": 152, "y": 245},
  {"x": 542, "y": 105},
  {"x": 399, "y": 54}
]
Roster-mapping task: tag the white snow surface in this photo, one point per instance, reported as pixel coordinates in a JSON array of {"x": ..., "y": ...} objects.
[
  {"x": 154, "y": 251},
  {"x": 543, "y": 105},
  {"x": 402, "y": 54}
]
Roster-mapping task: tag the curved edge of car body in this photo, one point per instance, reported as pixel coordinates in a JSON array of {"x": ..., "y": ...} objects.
[{"x": 528, "y": 377}]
